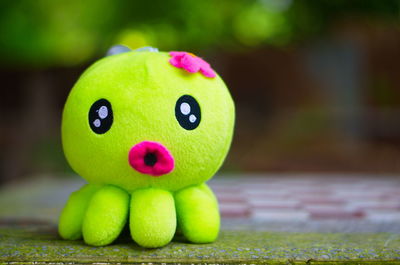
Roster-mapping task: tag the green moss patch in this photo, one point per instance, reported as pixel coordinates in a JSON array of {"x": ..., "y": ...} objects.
[{"x": 38, "y": 242}]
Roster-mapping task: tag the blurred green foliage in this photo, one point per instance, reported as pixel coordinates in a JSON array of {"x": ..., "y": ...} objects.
[{"x": 44, "y": 33}]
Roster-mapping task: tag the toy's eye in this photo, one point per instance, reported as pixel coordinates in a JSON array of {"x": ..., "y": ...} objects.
[
  {"x": 100, "y": 116},
  {"x": 187, "y": 112}
]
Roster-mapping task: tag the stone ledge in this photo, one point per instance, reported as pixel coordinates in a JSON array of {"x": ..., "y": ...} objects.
[{"x": 28, "y": 243}]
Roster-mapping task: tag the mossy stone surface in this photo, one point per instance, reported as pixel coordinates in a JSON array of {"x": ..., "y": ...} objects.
[
  {"x": 28, "y": 234},
  {"x": 35, "y": 242}
]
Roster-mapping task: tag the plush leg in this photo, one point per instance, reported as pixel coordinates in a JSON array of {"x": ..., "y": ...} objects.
[
  {"x": 198, "y": 214},
  {"x": 210, "y": 193},
  {"x": 152, "y": 217},
  {"x": 106, "y": 216},
  {"x": 71, "y": 218}
]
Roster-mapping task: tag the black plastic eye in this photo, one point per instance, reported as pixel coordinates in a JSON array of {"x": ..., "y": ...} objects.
[
  {"x": 187, "y": 112},
  {"x": 100, "y": 116}
]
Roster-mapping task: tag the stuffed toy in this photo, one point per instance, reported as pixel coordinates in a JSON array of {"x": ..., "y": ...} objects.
[{"x": 146, "y": 130}]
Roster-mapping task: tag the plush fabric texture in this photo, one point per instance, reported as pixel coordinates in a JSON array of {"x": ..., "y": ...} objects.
[
  {"x": 71, "y": 218},
  {"x": 152, "y": 217},
  {"x": 162, "y": 161},
  {"x": 191, "y": 63},
  {"x": 133, "y": 116},
  {"x": 105, "y": 216},
  {"x": 198, "y": 214},
  {"x": 142, "y": 88}
]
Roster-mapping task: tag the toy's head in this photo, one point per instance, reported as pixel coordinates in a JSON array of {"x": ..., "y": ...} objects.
[{"x": 148, "y": 119}]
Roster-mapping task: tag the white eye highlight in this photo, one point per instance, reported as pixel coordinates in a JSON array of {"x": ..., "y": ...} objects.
[
  {"x": 185, "y": 108},
  {"x": 97, "y": 123},
  {"x": 103, "y": 112},
  {"x": 192, "y": 118}
]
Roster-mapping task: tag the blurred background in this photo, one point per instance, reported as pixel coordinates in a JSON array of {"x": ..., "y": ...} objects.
[{"x": 316, "y": 83}]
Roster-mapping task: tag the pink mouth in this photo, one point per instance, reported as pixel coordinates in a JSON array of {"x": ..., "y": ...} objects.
[{"x": 151, "y": 158}]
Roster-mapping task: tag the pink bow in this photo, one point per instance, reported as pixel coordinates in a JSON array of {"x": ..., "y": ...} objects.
[{"x": 191, "y": 63}]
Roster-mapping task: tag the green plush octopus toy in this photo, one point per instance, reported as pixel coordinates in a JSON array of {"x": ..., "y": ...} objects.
[{"x": 146, "y": 130}]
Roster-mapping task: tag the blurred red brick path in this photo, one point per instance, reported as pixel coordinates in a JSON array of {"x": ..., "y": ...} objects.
[{"x": 299, "y": 198}]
